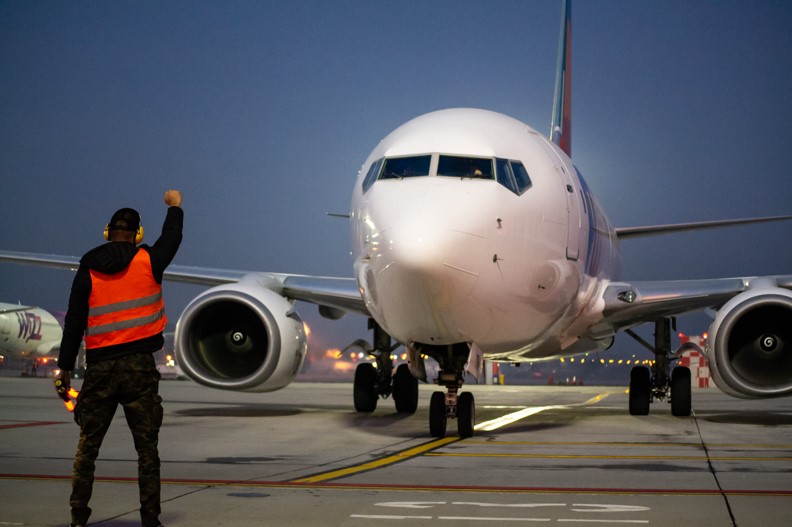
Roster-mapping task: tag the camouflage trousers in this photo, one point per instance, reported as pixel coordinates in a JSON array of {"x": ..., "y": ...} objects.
[{"x": 132, "y": 382}]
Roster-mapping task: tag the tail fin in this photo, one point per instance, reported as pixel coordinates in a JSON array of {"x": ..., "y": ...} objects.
[{"x": 561, "y": 127}]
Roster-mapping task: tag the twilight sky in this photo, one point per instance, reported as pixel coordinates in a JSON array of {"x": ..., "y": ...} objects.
[{"x": 263, "y": 112}]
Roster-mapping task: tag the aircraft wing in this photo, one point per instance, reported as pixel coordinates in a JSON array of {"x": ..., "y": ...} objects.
[
  {"x": 653, "y": 230},
  {"x": 628, "y": 304},
  {"x": 331, "y": 292}
]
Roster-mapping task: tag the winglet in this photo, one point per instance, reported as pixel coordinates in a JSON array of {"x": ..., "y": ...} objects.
[{"x": 561, "y": 127}]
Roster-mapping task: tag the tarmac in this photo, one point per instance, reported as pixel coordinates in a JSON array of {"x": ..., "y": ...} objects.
[{"x": 546, "y": 455}]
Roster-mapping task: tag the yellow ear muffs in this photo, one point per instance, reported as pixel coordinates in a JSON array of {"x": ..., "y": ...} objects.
[{"x": 138, "y": 235}]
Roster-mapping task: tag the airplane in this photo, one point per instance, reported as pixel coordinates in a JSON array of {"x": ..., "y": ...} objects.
[
  {"x": 476, "y": 237},
  {"x": 28, "y": 332}
]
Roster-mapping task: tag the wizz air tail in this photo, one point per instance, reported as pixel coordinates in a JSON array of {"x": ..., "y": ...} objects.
[
  {"x": 561, "y": 126},
  {"x": 561, "y": 134}
]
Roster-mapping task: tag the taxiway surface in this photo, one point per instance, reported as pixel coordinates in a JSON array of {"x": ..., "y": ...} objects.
[{"x": 302, "y": 456}]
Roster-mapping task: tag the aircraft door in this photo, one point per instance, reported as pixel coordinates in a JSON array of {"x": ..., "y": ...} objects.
[
  {"x": 573, "y": 205},
  {"x": 573, "y": 219},
  {"x": 5, "y": 325}
]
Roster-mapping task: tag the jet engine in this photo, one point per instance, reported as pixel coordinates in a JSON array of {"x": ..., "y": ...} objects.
[
  {"x": 750, "y": 345},
  {"x": 242, "y": 336}
]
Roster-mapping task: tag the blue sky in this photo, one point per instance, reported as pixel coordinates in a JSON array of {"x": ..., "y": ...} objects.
[{"x": 262, "y": 113}]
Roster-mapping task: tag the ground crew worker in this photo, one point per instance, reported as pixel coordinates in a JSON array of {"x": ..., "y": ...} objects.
[{"x": 116, "y": 304}]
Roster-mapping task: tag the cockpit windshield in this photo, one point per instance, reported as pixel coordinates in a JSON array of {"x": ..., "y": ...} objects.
[
  {"x": 508, "y": 173},
  {"x": 465, "y": 167},
  {"x": 403, "y": 167}
]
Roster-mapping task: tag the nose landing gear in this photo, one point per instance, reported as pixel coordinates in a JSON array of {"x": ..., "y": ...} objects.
[
  {"x": 372, "y": 382},
  {"x": 452, "y": 404}
]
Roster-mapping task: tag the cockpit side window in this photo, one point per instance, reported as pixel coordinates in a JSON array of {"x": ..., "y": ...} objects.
[
  {"x": 504, "y": 175},
  {"x": 513, "y": 176},
  {"x": 403, "y": 167},
  {"x": 372, "y": 174},
  {"x": 465, "y": 167},
  {"x": 520, "y": 176}
]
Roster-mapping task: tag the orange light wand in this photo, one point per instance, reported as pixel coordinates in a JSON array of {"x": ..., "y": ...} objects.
[
  {"x": 72, "y": 402},
  {"x": 69, "y": 396}
]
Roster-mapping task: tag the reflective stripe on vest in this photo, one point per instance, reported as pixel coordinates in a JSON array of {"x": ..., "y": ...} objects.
[{"x": 125, "y": 306}]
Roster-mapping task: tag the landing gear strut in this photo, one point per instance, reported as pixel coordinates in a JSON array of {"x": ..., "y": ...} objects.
[
  {"x": 647, "y": 386},
  {"x": 372, "y": 382},
  {"x": 452, "y": 404}
]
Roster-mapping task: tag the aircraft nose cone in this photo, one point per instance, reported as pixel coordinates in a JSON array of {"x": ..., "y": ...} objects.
[
  {"x": 422, "y": 277},
  {"x": 428, "y": 250}
]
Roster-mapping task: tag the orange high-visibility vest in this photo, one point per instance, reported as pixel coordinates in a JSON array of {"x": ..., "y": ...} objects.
[{"x": 124, "y": 306}]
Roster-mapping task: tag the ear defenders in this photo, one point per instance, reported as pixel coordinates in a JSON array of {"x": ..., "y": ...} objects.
[{"x": 138, "y": 234}]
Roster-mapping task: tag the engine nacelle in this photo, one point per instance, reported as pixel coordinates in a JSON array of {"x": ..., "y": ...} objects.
[
  {"x": 241, "y": 336},
  {"x": 750, "y": 344}
]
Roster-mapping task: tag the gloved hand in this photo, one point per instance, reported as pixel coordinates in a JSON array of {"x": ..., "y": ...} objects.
[{"x": 62, "y": 384}]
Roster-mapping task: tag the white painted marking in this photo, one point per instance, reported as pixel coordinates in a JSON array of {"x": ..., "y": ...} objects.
[
  {"x": 494, "y": 424},
  {"x": 596, "y": 507},
  {"x": 410, "y": 504},
  {"x": 484, "y": 519},
  {"x": 388, "y": 517},
  {"x": 604, "y": 521},
  {"x": 526, "y": 505}
]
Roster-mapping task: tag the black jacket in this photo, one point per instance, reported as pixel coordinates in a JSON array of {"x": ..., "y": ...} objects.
[{"x": 111, "y": 258}]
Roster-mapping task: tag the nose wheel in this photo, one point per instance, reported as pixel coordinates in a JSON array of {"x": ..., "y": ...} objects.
[
  {"x": 445, "y": 406},
  {"x": 438, "y": 417}
]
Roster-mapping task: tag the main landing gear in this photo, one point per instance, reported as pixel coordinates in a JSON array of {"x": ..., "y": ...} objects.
[
  {"x": 647, "y": 386},
  {"x": 372, "y": 382}
]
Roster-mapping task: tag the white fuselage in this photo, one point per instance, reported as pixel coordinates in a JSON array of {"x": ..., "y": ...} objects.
[
  {"x": 443, "y": 259},
  {"x": 27, "y": 332}
]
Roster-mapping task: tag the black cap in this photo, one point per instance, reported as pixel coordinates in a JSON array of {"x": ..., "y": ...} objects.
[{"x": 125, "y": 219}]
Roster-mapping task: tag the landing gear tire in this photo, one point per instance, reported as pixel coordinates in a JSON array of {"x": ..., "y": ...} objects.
[
  {"x": 405, "y": 390},
  {"x": 466, "y": 414},
  {"x": 364, "y": 389},
  {"x": 680, "y": 392},
  {"x": 437, "y": 415},
  {"x": 640, "y": 390}
]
